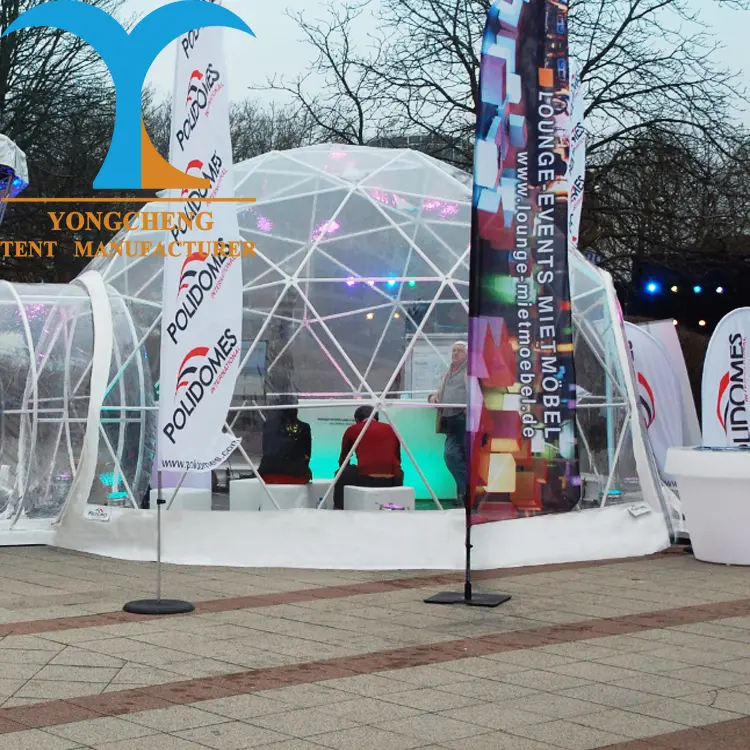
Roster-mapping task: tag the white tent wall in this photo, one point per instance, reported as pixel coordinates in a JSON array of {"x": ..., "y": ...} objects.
[
  {"x": 101, "y": 358},
  {"x": 344, "y": 235},
  {"x": 665, "y": 333},
  {"x": 654, "y": 490}
]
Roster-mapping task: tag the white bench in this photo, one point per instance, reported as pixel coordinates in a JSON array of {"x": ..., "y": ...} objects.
[
  {"x": 249, "y": 494},
  {"x": 188, "y": 498},
  {"x": 374, "y": 498}
]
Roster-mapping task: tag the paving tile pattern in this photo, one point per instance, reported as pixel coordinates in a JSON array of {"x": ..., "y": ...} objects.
[{"x": 630, "y": 655}]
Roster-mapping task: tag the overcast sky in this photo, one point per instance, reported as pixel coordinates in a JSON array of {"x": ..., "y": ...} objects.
[{"x": 278, "y": 49}]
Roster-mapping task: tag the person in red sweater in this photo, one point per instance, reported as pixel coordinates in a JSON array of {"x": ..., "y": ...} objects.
[{"x": 378, "y": 456}]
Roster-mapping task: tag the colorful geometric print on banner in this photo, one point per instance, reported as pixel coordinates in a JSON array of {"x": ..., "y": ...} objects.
[
  {"x": 522, "y": 435},
  {"x": 658, "y": 395},
  {"x": 202, "y": 301},
  {"x": 725, "y": 402}
]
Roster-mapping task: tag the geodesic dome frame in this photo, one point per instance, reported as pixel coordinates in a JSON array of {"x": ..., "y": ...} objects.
[{"x": 357, "y": 291}]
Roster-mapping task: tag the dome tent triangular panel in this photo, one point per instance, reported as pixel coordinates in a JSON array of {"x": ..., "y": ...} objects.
[{"x": 358, "y": 289}]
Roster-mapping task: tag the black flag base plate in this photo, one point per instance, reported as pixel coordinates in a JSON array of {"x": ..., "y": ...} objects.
[
  {"x": 473, "y": 600},
  {"x": 158, "y": 607}
]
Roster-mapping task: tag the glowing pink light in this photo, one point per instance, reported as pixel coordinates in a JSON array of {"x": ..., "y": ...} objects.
[
  {"x": 445, "y": 209},
  {"x": 389, "y": 199},
  {"x": 327, "y": 227},
  {"x": 337, "y": 155},
  {"x": 350, "y": 281},
  {"x": 264, "y": 224},
  {"x": 33, "y": 311}
]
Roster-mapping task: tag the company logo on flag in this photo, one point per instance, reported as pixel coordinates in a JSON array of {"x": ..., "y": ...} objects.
[
  {"x": 203, "y": 88},
  {"x": 202, "y": 291},
  {"x": 200, "y": 374},
  {"x": 647, "y": 400},
  {"x": 658, "y": 393},
  {"x": 732, "y": 399},
  {"x": 725, "y": 401}
]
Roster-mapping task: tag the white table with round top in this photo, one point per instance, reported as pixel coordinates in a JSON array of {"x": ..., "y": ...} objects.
[{"x": 714, "y": 487}]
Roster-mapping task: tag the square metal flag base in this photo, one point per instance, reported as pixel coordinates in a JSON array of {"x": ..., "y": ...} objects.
[
  {"x": 158, "y": 607},
  {"x": 475, "y": 600}
]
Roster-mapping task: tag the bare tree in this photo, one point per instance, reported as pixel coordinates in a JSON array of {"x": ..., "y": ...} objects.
[
  {"x": 669, "y": 202},
  {"x": 649, "y": 71},
  {"x": 57, "y": 103},
  {"x": 254, "y": 129},
  {"x": 645, "y": 63},
  {"x": 344, "y": 107},
  {"x": 42, "y": 72}
]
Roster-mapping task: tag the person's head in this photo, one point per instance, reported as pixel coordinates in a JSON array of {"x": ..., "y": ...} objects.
[
  {"x": 289, "y": 414},
  {"x": 363, "y": 414},
  {"x": 459, "y": 353}
]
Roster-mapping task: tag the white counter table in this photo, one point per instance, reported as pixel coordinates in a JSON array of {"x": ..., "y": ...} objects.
[{"x": 714, "y": 490}]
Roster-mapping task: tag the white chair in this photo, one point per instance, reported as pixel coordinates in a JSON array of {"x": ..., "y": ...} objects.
[
  {"x": 374, "y": 498},
  {"x": 249, "y": 494},
  {"x": 188, "y": 498}
]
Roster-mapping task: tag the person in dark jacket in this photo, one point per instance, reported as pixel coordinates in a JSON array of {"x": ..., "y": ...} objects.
[{"x": 287, "y": 446}]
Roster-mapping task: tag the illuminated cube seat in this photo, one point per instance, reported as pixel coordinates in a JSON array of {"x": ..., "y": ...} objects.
[
  {"x": 374, "y": 498},
  {"x": 188, "y": 498},
  {"x": 249, "y": 494}
]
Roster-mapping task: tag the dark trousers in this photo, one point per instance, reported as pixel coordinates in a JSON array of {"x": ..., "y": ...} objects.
[
  {"x": 350, "y": 475},
  {"x": 455, "y": 452}
]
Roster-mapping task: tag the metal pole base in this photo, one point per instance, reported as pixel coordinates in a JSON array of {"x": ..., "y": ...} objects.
[
  {"x": 473, "y": 600},
  {"x": 158, "y": 607}
]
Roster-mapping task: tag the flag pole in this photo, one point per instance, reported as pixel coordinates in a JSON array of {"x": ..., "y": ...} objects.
[
  {"x": 158, "y": 606},
  {"x": 524, "y": 79},
  {"x": 468, "y": 596}
]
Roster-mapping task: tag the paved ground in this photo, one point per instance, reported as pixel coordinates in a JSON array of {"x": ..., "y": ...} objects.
[{"x": 637, "y": 655}]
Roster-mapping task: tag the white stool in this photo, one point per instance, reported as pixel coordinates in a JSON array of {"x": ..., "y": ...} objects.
[
  {"x": 248, "y": 494},
  {"x": 188, "y": 498},
  {"x": 373, "y": 498}
]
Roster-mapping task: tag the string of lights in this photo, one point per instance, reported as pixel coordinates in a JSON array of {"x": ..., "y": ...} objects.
[{"x": 680, "y": 295}]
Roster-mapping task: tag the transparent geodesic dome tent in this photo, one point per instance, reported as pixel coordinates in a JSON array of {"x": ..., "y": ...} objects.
[
  {"x": 358, "y": 289},
  {"x": 356, "y": 294}
]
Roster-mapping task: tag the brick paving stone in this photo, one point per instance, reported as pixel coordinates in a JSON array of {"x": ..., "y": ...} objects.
[{"x": 635, "y": 655}]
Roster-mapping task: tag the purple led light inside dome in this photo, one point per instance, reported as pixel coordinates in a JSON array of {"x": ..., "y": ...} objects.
[
  {"x": 327, "y": 227},
  {"x": 33, "y": 311},
  {"x": 264, "y": 224},
  {"x": 383, "y": 197},
  {"x": 443, "y": 208}
]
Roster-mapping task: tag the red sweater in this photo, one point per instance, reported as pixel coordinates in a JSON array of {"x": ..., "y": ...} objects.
[{"x": 379, "y": 451}]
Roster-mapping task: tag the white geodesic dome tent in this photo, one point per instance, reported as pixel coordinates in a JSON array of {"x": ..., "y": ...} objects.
[{"x": 357, "y": 291}]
